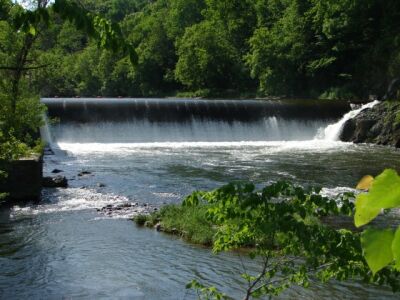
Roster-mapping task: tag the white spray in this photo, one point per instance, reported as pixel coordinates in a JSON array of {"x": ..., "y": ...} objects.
[{"x": 332, "y": 132}]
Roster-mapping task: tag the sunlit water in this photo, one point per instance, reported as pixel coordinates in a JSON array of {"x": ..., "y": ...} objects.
[{"x": 62, "y": 248}]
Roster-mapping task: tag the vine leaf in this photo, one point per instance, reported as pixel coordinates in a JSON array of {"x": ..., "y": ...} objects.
[
  {"x": 383, "y": 194},
  {"x": 396, "y": 248},
  {"x": 377, "y": 246},
  {"x": 365, "y": 183}
]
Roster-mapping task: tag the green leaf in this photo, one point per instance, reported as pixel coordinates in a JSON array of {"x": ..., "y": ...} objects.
[
  {"x": 377, "y": 247},
  {"x": 384, "y": 194},
  {"x": 396, "y": 248},
  {"x": 32, "y": 30}
]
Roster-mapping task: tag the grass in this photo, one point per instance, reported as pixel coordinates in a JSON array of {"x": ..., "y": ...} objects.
[{"x": 188, "y": 222}]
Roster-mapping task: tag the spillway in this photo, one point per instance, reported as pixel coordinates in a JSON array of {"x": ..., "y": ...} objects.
[{"x": 88, "y": 120}]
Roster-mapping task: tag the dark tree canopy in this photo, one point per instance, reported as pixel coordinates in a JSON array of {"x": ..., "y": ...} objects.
[{"x": 305, "y": 48}]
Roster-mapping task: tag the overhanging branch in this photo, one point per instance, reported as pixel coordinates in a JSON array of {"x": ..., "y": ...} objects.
[{"x": 24, "y": 68}]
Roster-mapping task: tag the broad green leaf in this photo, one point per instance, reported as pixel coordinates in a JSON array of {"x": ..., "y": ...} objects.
[
  {"x": 377, "y": 247},
  {"x": 384, "y": 193},
  {"x": 396, "y": 248},
  {"x": 365, "y": 212}
]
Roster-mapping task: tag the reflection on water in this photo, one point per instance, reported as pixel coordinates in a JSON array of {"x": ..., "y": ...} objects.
[{"x": 62, "y": 248}]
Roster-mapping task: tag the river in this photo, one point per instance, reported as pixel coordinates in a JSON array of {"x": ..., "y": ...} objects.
[{"x": 157, "y": 151}]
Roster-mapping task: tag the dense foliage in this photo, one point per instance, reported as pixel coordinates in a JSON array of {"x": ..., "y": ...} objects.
[
  {"x": 313, "y": 48},
  {"x": 24, "y": 33},
  {"x": 283, "y": 226}
]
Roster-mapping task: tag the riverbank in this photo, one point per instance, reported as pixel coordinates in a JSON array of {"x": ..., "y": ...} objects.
[
  {"x": 377, "y": 125},
  {"x": 188, "y": 222}
]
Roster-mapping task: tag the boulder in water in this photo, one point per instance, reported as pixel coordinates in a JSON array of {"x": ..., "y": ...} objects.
[
  {"x": 379, "y": 125},
  {"x": 348, "y": 130},
  {"x": 54, "y": 182},
  {"x": 56, "y": 171}
]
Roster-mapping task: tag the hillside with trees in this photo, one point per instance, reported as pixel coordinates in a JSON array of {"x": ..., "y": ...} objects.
[{"x": 294, "y": 48}]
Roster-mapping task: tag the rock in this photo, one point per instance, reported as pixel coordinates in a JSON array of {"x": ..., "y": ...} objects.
[
  {"x": 83, "y": 173},
  {"x": 348, "y": 131},
  {"x": 158, "y": 226},
  {"x": 379, "y": 125},
  {"x": 57, "y": 171},
  {"x": 362, "y": 132},
  {"x": 48, "y": 151},
  {"x": 100, "y": 185},
  {"x": 54, "y": 182}
]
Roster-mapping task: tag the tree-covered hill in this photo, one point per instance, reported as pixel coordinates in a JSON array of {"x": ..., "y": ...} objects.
[{"x": 295, "y": 48}]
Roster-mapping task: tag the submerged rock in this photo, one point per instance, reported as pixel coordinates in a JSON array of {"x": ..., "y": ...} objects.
[
  {"x": 57, "y": 171},
  {"x": 48, "y": 151},
  {"x": 379, "y": 125},
  {"x": 54, "y": 182},
  {"x": 126, "y": 210},
  {"x": 83, "y": 173},
  {"x": 158, "y": 227}
]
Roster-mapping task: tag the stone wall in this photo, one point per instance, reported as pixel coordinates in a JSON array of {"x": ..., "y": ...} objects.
[{"x": 24, "y": 180}]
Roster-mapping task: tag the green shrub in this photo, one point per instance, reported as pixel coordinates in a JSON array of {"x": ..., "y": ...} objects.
[
  {"x": 140, "y": 219},
  {"x": 188, "y": 222}
]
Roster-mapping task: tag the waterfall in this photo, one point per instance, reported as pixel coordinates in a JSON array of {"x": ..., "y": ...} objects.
[
  {"x": 143, "y": 131},
  {"x": 45, "y": 131},
  {"x": 333, "y": 131},
  {"x": 187, "y": 120}
]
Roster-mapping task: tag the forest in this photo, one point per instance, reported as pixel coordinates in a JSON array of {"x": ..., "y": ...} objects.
[{"x": 328, "y": 49}]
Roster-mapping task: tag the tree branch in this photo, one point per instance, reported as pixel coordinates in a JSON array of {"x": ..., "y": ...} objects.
[{"x": 23, "y": 68}]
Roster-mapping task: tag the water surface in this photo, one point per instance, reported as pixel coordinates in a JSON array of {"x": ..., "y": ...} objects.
[{"x": 63, "y": 248}]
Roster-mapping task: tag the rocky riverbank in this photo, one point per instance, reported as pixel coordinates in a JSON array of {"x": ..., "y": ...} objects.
[{"x": 378, "y": 125}]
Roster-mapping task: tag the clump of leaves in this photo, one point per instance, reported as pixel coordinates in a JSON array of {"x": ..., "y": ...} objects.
[
  {"x": 282, "y": 221},
  {"x": 381, "y": 246}
]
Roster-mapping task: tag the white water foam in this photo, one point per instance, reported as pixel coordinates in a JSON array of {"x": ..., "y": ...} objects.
[
  {"x": 273, "y": 146},
  {"x": 332, "y": 132},
  {"x": 72, "y": 199}
]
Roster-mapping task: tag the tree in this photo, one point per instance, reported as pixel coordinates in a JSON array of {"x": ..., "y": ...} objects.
[
  {"x": 278, "y": 52},
  {"x": 283, "y": 225},
  {"x": 28, "y": 24},
  {"x": 206, "y": 58}
]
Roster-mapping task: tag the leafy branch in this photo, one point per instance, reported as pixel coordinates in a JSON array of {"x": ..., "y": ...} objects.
[
  {"x": 282, "y": 224},
  {"x": 381, "y": 247}
]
